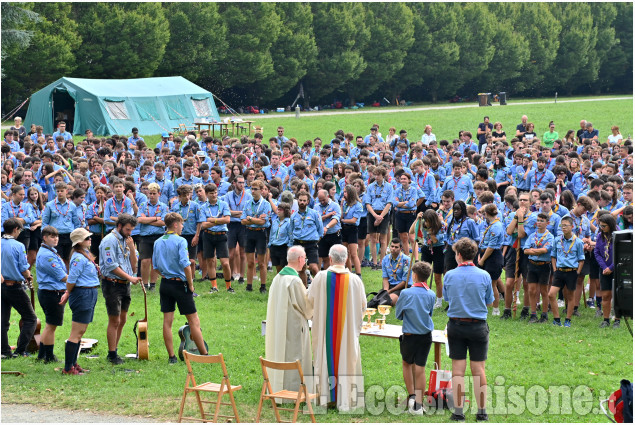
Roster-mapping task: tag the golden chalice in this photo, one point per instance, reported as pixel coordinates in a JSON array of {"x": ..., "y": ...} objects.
[
  {"x": 384, "y": 310},
  {"x": 369, "y": 312}
]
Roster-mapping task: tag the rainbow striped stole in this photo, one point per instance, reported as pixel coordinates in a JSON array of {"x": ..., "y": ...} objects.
[{"x": 337, "y": 296}]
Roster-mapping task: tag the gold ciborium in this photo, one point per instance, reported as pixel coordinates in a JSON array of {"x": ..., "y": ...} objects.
[
  {"x": 369, "y": 312},
  {"x": 384, "y": 310}
]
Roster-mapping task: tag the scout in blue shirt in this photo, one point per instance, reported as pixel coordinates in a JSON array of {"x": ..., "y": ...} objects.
[
  {"x": 150, "y": 215},
  {"x": 378, "y": 201},
  {"x": 538, "y": 248},
  {"x": 460, "y": 225},
  {"x": 567, "y": 259},
  {"x": 490, "y": 246},
  {"x": 61, "y": 214},
  {"x": 118, "y": 204},
  {"x": 281, "y": 236},
  {"x": 188, "y": 169},
  {"x": 216, "y": 214},
  {"x": 18, "y": 209},
  {"x": 331, "y": 214},
  {"x": 431, "y": 236},
  {"x": 95, "y": 220},
  {"x": 522, "y": 173},
  {"x": 539, "y": 177},
  {"x": 307, "y": 228},
  {"x": 352, "y": 212},
  {"x": 256, "y": 217},
  {"x": 460, "y": 184},
  {"x": 192, "y": 219},
  {"x": 15, "y": 270},
  {"x": 394, "y": 271},
  {"x": 168, "y": 193},
  {"x": 275, "y": 169}
]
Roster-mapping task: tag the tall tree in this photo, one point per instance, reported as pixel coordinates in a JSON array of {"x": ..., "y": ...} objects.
[
  {"x": 391, "y": 36},
  {"x": 14, "y": 34},
  {"x": 194, "y": 51},
  {"x": 616, "y": 72},
  {"x": 120, "y": 40},
  {"x": 341, "y": 35},
  {"x": 49, "y": 56},
  {"x": 603, "y": 15},
  {"x": 292, "y": 53}
]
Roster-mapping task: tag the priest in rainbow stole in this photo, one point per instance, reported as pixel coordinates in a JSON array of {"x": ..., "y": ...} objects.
[{"x": 338, "y": 300}]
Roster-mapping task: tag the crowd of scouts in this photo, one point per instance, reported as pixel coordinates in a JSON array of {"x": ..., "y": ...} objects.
[{"x": 106, "y": 212}]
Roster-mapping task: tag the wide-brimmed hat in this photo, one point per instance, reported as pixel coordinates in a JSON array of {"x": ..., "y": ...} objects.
[{"x": 79, "y": 235}]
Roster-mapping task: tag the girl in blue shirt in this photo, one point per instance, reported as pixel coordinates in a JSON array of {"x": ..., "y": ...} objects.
[
  {"x": 281, "y": 236},
  {"x": 491, "y": 254},
  {"x": 351, "y": 215},
  {"x": 460, "y": 226},
  {"x": 362, "y": 228},
  {"x": 432, "y": 236},
  {"x": 502, "y": 174}
]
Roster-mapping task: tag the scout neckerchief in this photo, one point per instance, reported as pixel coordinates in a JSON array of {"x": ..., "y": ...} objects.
[
  {"x": 20, "y": 210},
  {"x": 181, "y": 210},
  {"x": 157, "y": 207},
  {"x": 456, "y": 182},
  {"x": 423, "y": 182},
  {"x": 421, "y": 285},
  {"x": 487, "y": 230},
  {"x": 114, "y": 205},
  {"x": 83, "y": 252},
  {"x": 607, "y": 247},
  {"x": 538, "y": 242},
  {"x": 394, "y": 268},
  {"x": 565, "y": 251},
  {"x": 68, "y": 208},
  {"x": 280, "y": 224},
  {"x": 544, "y": 173},
  {"x": 466, "y": 263},
  {"x": 456, "y": 231}
]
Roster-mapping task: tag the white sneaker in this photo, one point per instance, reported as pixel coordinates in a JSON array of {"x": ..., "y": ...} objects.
[
  {"x": 496, "y": 312},
  {"x": 235, "y": 276},
  {"x": 438, "y": 303},
  {"x": 411, "y": 403},
  {"x": 560, "y": 303},
  {"x": 518, "y": 302},
  {"x": 419, "y": 412}
]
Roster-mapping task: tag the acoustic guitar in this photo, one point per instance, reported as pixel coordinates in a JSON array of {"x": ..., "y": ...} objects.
[
  {"x": 34, "y": 344},
  {"x": 187, "y": 343},
  {"x": 142, "y": 337}
]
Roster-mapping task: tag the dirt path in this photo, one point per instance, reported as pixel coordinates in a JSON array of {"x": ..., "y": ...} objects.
[{"x": 30, "y": 413}]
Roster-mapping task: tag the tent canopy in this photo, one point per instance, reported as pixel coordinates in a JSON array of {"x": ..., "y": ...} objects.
[{"x": 106, "y": 107}]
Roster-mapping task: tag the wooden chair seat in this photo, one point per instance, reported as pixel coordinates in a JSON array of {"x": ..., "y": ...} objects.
[{"x": 212, "y": 387}]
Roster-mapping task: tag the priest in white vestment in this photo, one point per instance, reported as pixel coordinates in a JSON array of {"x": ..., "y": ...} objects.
[
  {"x": 287, "y": 337},
  {"x": 338, "y": 300}
]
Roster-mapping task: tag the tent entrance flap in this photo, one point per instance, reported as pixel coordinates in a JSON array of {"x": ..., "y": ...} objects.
[{"x": 63, "y": 108}]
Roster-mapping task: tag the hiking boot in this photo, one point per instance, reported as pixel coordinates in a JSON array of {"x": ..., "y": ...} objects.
[
  {"x": 173, "y": 360},
  {"x": 115, "y": 360},
  {"x": 80, "y": 369},
  {"x": 543, "y": 318},
  {"x": 482, "y": 417},
  {"x": 524, "y": 313},
  {"x": 605, "y": 324},
  {"x": 533, "y": 319},
  {"x": 457, "y": 418},
  {"x": 249, "y": 288}
]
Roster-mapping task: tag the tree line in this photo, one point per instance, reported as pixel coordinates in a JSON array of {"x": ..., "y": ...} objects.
[{"x": 259, "y": 53}]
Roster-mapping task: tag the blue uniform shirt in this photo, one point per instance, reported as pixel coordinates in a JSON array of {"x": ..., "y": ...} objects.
[
  {"x": 307, "y": 226},
  {"x": 257, "y": 210},
  {"x": 468, "y": 290},
  {"x": 148, "y": 210},
  {"x": 50, "y": 269},
  {"x": 560, "y": 210},
  {"x": 237, "y": 202},
  {"x": 494, "y": 236},
  {"x": 271, "y": 173},
  {"x": 410, "y": 195},
  {"x": 354, "y": 211},
  {"x": 567, "y": 252},
  {"x": 166, "y": 189},
  {"x": 13, "y": 259},
  {"x": 329, "y": 208},
  {"x": 61, "y": 216},
  {"x": 91, "y": 212},
  {"x": 218, "y": 210},
  {"x": 503, "y": 175},
  {"x": 395, "y": 270},
  {"x": 462, "y": 187},
  {"x": 281, "y": 232},
  {"x": 539, "y": 179},
  {"x": 23, "y": 210},
  {"x": 581, "y": 226},
  {"x": 414, "y": 307},
  {"x": 82, "y": 272},
  {"x": 182, "y": 180},
  {"x": 113, "y": 208},
  {"x": 170, "y": 256},
  {"x": 113, "y": 253},
  {"x": 521, "y": 182},
  {"x": 579, "y": 183},
  {"x": 426, "y": 183},
  {"x": 379, "y": 196},
  {"x": 465, "y": 228},
  {"x": 540, "y": 240},
  {"x": 191, "y": 214}
]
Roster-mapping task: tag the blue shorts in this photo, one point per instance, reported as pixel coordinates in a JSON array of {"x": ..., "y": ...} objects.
[{"x": 82, "y": 302}]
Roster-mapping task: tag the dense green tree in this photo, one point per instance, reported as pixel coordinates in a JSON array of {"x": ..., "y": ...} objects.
[
  {"x": 391, "y": 36},
  {"x": 120, "y": 40},
  {"x": 341, "y": 36},
  {"x": 14, "y": 20},
  {"x": 197, "y": 45},
  {"x": 616, "y": 72},
  {"x": 603, "y": 15},
  {"x": 49, "y": 56},
  {"x": 293, "y": 52}
]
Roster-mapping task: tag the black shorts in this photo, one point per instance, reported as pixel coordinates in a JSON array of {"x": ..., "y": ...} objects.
[
  {"x": 449, "y": 260},
  {"x": 235, "y": 235},
  {"x": 594, "y": 267},
  {"x": 278, "y": 254},
  {"x": 435, "y": 257},
  {"x": 64, "y": 246},
  {"x": 116, "y": 295},
  {"x": 383, "y": 226},
  {"x": 494, "y": 264},
  {"x": 25, "y": 238},
  {"x": 362, "y": 229},
  {"x": 82, "y": 302},
  {"x": 522, "y": 264},
  {"x": 415, "y": 348},
  {"x": 510, "y": 263},
  {"x": 464, "y": 336},
  {"x": 538, "y": 273},
  {"x": 95, "y": 241},
  {"x": 403, "y": 221},
  {"x": 586, "y": 268},
  {"x": 36, "y": 239},
  {"x": 350, "y": 234},
  {"x": 327, "y": 242},
  {"x": 215, "y": 246},
  {"x": 174, "y": 292},
  {"x": 50, "y": 303},
  {"x": 606, "y": 282},
  {"x": 146, "y": 246},
  {"x": 311, "y": 250},
  {"x": 191, "y": 250},
  {"x": 568, "y": 279},
  {"x": 255, "y": 241}
]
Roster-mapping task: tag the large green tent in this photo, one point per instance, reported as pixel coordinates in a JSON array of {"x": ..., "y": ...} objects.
[{"x": 153, "y": 105}]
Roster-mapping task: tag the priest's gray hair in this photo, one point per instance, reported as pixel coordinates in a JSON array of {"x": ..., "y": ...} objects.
[
  {"x": 338, "y": 254},
  {"x": 294, "y": 253}
]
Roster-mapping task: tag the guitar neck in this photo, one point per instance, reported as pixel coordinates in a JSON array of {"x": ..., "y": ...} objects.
[
  {"x": 32, "y": 296},
  {"x": 145, "y": 304}
]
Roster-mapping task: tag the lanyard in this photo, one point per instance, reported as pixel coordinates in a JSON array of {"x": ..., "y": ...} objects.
[
  {"x": 241, "y": 198},
  {"x": 68, "y": 207},
  {"x": 20, "y": 210},
  {"x": 607, "y": 247},
  {"x": 286, "y": 220},
  {"x": 254, "y": 212}
]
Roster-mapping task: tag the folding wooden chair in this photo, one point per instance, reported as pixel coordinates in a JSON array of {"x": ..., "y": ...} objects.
[
  {"x": 258, "y": 129},
  {"x": 221, "y": 389},
  {"x": 298, "y": 396}
]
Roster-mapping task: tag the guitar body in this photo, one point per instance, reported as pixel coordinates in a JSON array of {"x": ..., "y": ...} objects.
[
  {"x": 186, "y": 342},
  {"x": 34, "y": 344},
  {"x": 142, "y": 343}
]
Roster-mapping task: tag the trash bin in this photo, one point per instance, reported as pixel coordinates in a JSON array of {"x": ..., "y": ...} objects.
[
  {"x": 502, "y": 98},
  {"x": 484, "y": 99}
]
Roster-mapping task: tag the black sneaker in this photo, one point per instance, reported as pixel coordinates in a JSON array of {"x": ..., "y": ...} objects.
[
  {"x": 241, "y": 280},
  {"x": 213, "y": 290},
  {"x": 249, "y": 288},
  {"x": 263, "y": 290},
  {"x": 576, "y": 313},
  {"x": 507, "y": 314},
  {"x": 482, "y": 417},
  {"x": 152, "y": 286},
  {"x": 173, "y": 360},
  {"x": 457, "y": 418},
  {"x": 533, "y": 319},
  {"x": 524, "y": 314},
  {"x": 53, "y": 359},
  {"x": 230, "y": 290},
  {"x": 544, "y": 318},
  {"x": 115, "y": 360}
]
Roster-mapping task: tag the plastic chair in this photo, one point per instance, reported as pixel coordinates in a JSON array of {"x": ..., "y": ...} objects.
[
  {"x": 221, "y": 389},
  {"x": 300, "y": 396}
]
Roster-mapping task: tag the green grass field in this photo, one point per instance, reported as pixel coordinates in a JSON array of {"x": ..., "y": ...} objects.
[{"x": 532, "y": 369}]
